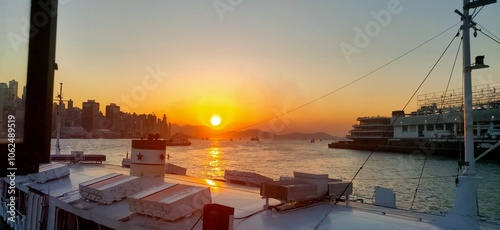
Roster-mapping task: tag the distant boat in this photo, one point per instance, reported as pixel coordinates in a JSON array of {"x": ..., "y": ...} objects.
[
  {"x": 312, "y": 140},
  {"x": 178, "y": 141},
  {"x": 254, "y": 139}
]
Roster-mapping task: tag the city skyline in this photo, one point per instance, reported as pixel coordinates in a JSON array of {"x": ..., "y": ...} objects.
[
  {"x": 252, "y": 61},
  {"x": 90, "y": 122}
]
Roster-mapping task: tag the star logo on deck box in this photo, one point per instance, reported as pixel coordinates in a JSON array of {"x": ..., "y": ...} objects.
[{"x": 139, "y": 157}]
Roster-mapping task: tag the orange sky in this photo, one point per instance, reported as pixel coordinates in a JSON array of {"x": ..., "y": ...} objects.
[{"x": 189, "y": 60}]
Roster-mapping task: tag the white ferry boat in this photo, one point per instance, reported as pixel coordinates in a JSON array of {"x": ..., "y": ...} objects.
[{"x": 432, "y": 129}]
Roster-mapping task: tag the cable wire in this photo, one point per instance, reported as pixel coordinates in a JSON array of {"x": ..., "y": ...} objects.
[
  {"x": 442, "y": 105},
  {"x": 419, "y": 180},
  {"x": 346, "y": 85},
  {"x": 394, "y": 121},
  {"x": 474, "y": 14},
  {"x": 201, "y": 216},
  {"x": 484, "y": 28},
  {"x": 489, "y": 37},
  {"x": 428, "y": 74}
]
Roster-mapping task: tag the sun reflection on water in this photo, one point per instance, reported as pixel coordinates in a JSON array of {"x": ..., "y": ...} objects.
[{"x": 214, "y": 164}]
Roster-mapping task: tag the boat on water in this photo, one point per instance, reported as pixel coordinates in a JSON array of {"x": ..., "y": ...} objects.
[
  {"x": 100, "y": 196},
  {"x": 432, "y": 129},
  {"x": 178, "y": 142}
]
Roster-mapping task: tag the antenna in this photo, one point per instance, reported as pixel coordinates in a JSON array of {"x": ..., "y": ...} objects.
[{"x": 58, "y": 120}]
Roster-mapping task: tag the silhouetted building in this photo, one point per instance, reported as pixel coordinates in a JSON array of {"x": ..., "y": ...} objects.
[
  {"x": 13, "y": 87},
  {"x": 4, "y": 94},
  {"x": 23, "y": 99},
  {"x": 3, "y": 98},
  {"x": 90, "y": 115},
  {"x": 70, "y": 104},
  {"x": 112, "y": 117},
  {"x": 164, "y": 127}
]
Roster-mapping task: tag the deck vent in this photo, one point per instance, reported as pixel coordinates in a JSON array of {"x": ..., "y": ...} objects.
[
  {"x": 335, "y": 189},
  {"x": 109, "y": 188},
  {"x": 320, "y": 180},
  {"x": 169, "y": 201},
  {"x": 246, "y": 178},
  {"x": 49, "y": 172},
  {"x": 385, "y": 197},
  {"x": 288, "y": 191}
]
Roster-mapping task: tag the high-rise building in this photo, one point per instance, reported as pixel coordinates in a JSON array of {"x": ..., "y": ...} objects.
[
  {"x": 164, "y": 127},
  {"x": 12, "y": 97},
  {"x": 13, "y": 87},
  {"x": 113, "y": 117},
  {"x": 3, "y": 98},
  {"x": 4, "y": 93},
  {"x": 24, "y": 97},
  {"x": 90, "y": 115},
  {"x": 70, "y": 104}
]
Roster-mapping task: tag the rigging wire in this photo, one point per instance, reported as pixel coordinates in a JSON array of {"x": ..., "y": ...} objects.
[
  {"x": 442, "y": 105},
  {"x": 489, "y": 37},
  {"x": 201, "y": 216},
  {"x": 323, "y": 219},
  {"x": 354, "y": 81},
  {"x": 341, "y": 87},
  {"x": 461, "y": 149},
  {"x": 348, "y": 84},
  {"x": 484, "y": 28},
  {"x": 419, "y": 180},
  {"x": 449, "y": 78},
  {"x": 428, "y": 74},
  {"x": 474, "y": 14},
  {"x": 249, "y": 215},
  {"x": 393, "y": 122}
]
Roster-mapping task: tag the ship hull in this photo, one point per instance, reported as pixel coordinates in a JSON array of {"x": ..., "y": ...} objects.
[{"x": 453, "y": 148}]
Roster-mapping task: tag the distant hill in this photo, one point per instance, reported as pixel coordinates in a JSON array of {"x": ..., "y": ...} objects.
[{"x": 195, "y": 131}]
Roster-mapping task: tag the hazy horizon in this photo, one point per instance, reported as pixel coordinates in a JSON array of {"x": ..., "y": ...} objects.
[{"x": 251, "y": 61}]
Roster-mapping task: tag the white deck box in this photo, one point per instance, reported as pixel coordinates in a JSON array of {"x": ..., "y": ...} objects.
[
  {"x": 170, "y": 201},
  {"x": 336, "y": 188},
  {"x": 247, "y": 178},
  {"x": 49, "y": 172},
  {"x": 288, "y": 191},
  {"x": 109, "y": 188}
]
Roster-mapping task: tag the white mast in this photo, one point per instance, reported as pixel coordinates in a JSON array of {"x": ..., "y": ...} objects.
[
  {"x": 468, "y": 121},
  {"x": 464, "y": 212},
  {"x": 58, "y": 120}
]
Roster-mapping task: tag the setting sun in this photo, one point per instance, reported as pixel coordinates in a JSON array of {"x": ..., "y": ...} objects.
[{"x": 215, "y": 120}]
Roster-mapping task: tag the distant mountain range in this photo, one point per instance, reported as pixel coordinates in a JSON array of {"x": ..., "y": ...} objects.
[{"x": 193, "y": 131}]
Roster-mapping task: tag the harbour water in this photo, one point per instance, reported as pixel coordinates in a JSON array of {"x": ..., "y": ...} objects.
[{"x": 275, "y": 158}]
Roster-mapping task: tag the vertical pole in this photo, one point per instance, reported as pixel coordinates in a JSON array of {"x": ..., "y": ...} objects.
[
  {"x": 463, "y": 215},
  {"x": 468, "y": 121},
  {"x": 58, "y": 121}
]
